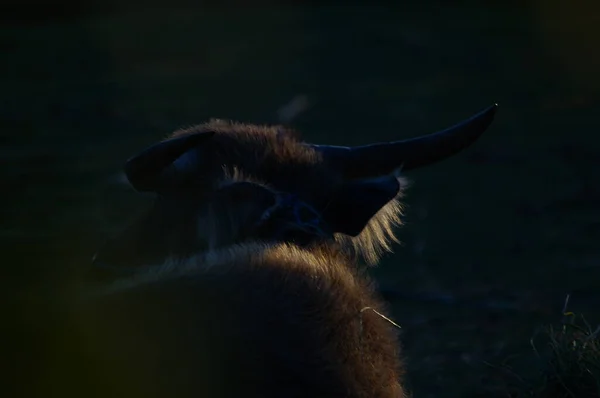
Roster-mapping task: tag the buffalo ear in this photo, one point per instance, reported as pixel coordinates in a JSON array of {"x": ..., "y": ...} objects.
[{"x": 356, "y": 202}]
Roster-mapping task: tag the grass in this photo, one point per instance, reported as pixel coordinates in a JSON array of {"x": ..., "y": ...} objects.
[{"x": 566, "y": 360}]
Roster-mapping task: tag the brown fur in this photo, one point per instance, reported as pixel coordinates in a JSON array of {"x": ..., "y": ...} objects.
[
  {"x": 236, "y": 312},
  {"x": 270, "y": 155},
  {"x": 277, "y": 157},
  {"x": 249, "y": 314},
  {"x": 245, "y": 318},
  {"x": 252, "y": 320}
]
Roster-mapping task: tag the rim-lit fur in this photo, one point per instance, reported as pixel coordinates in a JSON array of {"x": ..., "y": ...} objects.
[
  {"x": 251, "y": 319},
  {"x": 276, "y": 156},
  {"x": 255, "y": 313}
]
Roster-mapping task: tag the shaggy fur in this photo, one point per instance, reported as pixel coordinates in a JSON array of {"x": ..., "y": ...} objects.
[
  {"x": 237, "y": 310},
  {"x": 379, "y": 234},
  {"x": 269, "y": 155},
  {"x": 251, "y": 320},
  {"x": 276, "y": 156},
  {"x": 245, "y": 318},
  {"x": 259, "y": 298}
]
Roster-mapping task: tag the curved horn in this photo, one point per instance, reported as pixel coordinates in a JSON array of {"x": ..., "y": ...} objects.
[
  {"x": 144, "y": 170},
  {"x": 383, "y": 158}
]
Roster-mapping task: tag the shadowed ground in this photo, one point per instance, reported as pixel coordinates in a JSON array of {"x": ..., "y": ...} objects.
[{"x": 494, "y": 238}]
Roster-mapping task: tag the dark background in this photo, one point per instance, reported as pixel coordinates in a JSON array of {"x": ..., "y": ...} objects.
[{"x": 494, "y": 238}]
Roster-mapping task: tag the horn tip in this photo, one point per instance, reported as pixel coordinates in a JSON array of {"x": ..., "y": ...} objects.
[{"x": 487, "y": 114}]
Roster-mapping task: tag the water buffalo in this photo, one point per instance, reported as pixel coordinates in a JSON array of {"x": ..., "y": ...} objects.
[
  {"x": 353, "y": 188},
  {"x": 243, "y": 279}
]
